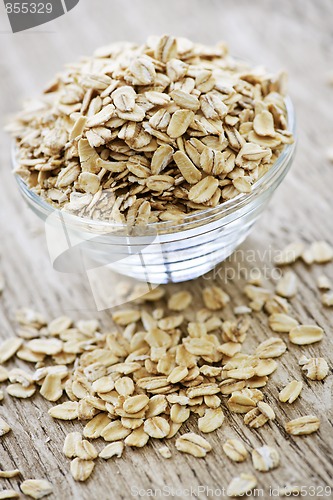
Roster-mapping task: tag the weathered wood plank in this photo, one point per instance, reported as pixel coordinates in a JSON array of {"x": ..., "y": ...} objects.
[{"x": 296, "y": 35}]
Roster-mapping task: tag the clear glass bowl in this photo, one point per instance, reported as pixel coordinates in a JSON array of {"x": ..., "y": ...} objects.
[{"x": 165, "y": 251}]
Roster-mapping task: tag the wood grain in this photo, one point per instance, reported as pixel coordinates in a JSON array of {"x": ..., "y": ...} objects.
[{"x": 295, "y": 35}]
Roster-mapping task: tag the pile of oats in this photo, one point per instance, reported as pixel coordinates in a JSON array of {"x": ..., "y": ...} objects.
[{"x": 146, "y": 133}]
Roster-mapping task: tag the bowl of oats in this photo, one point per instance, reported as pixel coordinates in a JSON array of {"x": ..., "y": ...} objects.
[{"x": 158, "y": 158}]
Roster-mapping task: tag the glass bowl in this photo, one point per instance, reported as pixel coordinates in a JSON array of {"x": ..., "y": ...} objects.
[{"x": 164, "y": 251}]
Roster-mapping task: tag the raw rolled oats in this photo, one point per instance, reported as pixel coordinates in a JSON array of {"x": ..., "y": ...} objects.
[
  {"x": 287, "y": 285},
  {"x": 71, "y": 443},
  {"x": 291, "y": 391},
  {"x": 265, "y": 458},
  {"x": 138, "y": 438},
  {"x": 157, "y": 427},
  {"x": 144, "y": 378},
  {"x": 36, "y": 488},
  {"x": 271, "y": 348},
  {"x": 7, "y": 494},
  {"x": 9, "y": 473},
  {"x": 323, "y": 282},
  {"x": 315, "y": 368},
  {"x": 212, "y": 420},
  {"x": 235, "y": 450},
  {"x": 193, "y": 444},
  {"x": 282, "y": 323},
  {"x": 152, "y": 125},
  {"x": 303, "y": 425},
  {"x": 306, "y": 334},
  {"x": 180, "y": 301},
  {"x": 81, "y": 469},
  {"x": 8, "y": 348},
  {"x": 112, "y": 450}
]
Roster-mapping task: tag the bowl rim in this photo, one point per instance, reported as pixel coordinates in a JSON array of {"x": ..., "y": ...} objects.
[{"x": 222, "y": 210}]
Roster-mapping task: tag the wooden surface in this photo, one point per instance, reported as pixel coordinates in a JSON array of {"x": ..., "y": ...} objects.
[{"x": 296, "y": 35}]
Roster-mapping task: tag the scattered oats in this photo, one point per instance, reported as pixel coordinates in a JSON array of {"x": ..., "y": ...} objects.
[
  {"x": 8, "y": 348},
  {"x": 157, "y": 427},
  {"x": 71, "y": 443},
  {"x": 282, "y": 323},
  {"x": 7, "y": 494},
  {"x": 65, "y": 411},
  {"x": 20, "y": 391},
  {"x": 125, "y": 317},
  {"x": 135, "y": 404},
  {"x": 180, "y": 301},
  {"x": 165, "y": 452},
  {"x": 276, "y": 304},
  {"x": 138, "y": 438},
  {"x": 303, "y": 425},
  {"x": 36, "y": 488},
  {"x": 265, "y": 458},
  {"x": 290, "y": 253},
  {"x": 112, "y": 450},
  {"x": 212, "y": 420},
  {"x": 322, "y": 252},
  {"x": 327, "y": 299},
  {"x": 81, "y": 469},
  {"x": 59, "y": 325},
  {"x": 85, "y": 450},
  {"x": 93, "y": 429},
  {"x": 235, "y": 450},
  {"x": 316, "y": 368},
  {"x": 45, "y": 346},
  {"x": 241, "y": 485},
  {"x": 52, "y": 387},
  {"x": 307, "y": 256},
  {"x": 243, "y": 400},
  {"x": 115, "y": 431},
  {"x": 259, "y": 416},
  {"x": 4, "y": 427},
  {"x": 323, "y": 283},
  {"x": 306, "y": 334},
  {"x": 291, "y": 392},
  {"x": 9, "y": 473},
  {"x": 193, "y": 444},
  {"x": 215, "y": 298},
  {"x": 271, "y": 348},
  {"x": 287, "y": 285}
]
